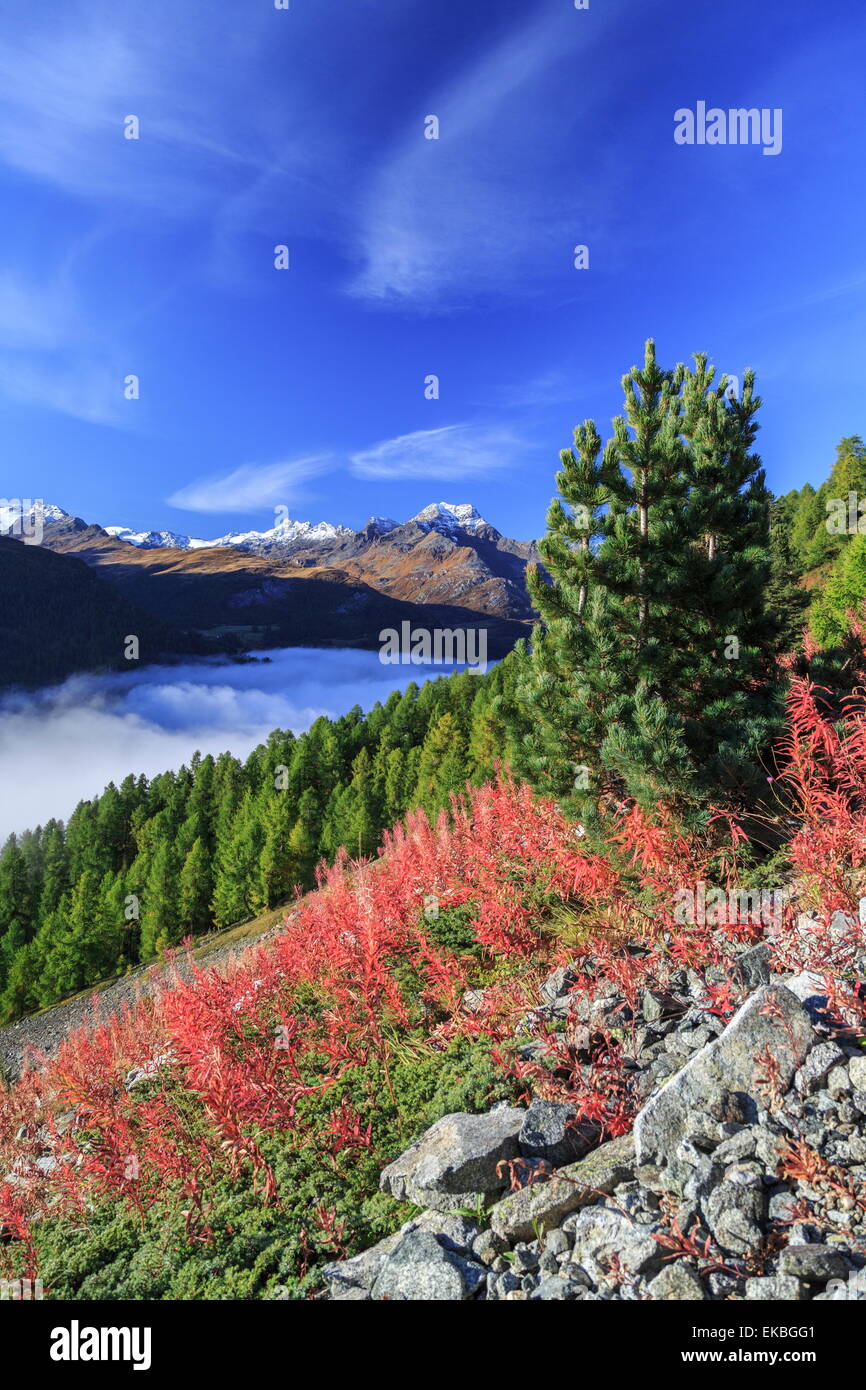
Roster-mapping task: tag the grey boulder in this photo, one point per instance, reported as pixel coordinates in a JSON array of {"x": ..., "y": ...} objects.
[
  {"x": 551, "y": 1131},
  {"x": 771, "y": 1022},
  {"x": 422, "y": 1268},
  {"x": 457, "y": 1161}
]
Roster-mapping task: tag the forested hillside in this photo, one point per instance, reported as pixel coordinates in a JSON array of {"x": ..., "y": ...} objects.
[
  {"x": 145, "y": 864},
  {"x": 826, "y": 540},
  {"x": 58, "y": 617}
]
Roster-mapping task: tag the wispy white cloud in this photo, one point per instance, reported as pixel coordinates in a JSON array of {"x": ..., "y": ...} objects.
[
  {"x": 68, "y": 82},
  {"x": 52, "y": 352},
  {"x": 473, "y": 212},
  {"x": 85, "y": 390},
  {"x": 35, "y": 315},
  {"x": 451, "y": 452},
  {"x": 252, "y": 486}
]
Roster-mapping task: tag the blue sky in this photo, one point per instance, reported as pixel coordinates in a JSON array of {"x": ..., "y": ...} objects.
[{"x": 408, "y": 257}]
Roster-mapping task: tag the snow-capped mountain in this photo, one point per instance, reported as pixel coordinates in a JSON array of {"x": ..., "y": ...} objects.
[
  {"x": 303, "y": 581},
  {"x": 448, "y": 518},
  {"x": 285, "y": 533},
  {"x": 21, "y": 515},
  {"x": 155, "y": 540}
]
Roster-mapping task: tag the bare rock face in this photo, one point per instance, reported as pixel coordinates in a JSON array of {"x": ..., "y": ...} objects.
[
  {"x": 456, "y": 1161},
  {"x": 771, "y": 1023}
]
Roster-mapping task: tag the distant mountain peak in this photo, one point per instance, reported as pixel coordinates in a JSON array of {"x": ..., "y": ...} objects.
[
  {"x": 447, "y": 556},
  {"x": 450, "y": 516},
  {"x": 381, "y": 525},
  {"x": 12, "y": 513}
]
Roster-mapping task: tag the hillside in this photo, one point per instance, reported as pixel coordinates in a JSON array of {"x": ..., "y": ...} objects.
[
  {"x": 59, "y": 616},
  {"x": 220, "y": 841},
  {"x": 684, "y": 1110}
]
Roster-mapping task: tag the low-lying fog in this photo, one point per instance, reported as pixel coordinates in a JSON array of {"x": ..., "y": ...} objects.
[{"x": 65, "y": 743}]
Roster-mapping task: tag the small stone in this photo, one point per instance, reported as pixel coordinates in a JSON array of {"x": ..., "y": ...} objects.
[
  {"x": 524, "y": 1259},
  {"x": 557, "y": 1242},
  {"x": 558, "y": 1290},
  {"x": 819, "y": 1062},
  {"x": 782, "y": 1206},
  {"x": 558, "y": 983},
  {"x": 734, "y": 1214},
  {"x": 659, "y": 1004},
  {"x": 487, "y": 1246},
  {"x": 753, "y": 967},
  {"x": 733, "y": 1150},
  {"x": 778, "y": 1288},
  {"x": 677, "y": 1280},
  {"x": 508, "y": 1283},
  {"x": 813, "y": 1263},
  {"x": 473, "y": 999},
  {"x": 838, "y": 1081},
  {"x": 541, "y": 1206},
  {"x": 768, "y": 1149},
  {"x": 857, "y": 1072},
  {"x": 610, "y": 1240},
  {"x": 721, "y": 1284}
]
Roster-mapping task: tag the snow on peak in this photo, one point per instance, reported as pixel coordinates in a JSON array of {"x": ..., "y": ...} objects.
[
  {"x": 25, "y": 516},
  {"x": 381, "y": 525},
  {"x": 284, "y": 533},
  {"x": 449, "y": 516},
  {"x": 152, "y": 540}
]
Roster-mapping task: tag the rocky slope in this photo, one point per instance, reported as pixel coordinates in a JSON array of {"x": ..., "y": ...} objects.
[{"x": 744, "y": 1177}]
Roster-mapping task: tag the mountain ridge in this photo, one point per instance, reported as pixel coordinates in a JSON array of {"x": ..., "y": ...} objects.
[
  {"x": 446, "y": 517},
  {"x": 310, "y": 584}
]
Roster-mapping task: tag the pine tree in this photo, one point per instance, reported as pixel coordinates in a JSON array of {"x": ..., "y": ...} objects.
[
  {"x": 195, "y": 889},
  {"x": 160, "y": 920},
  {"x": 235, "y": 866},
  {"x": 650, "y": 674},
  {"x": 303, "y": 847},
  {"x": 55, "y": 869},
  {"x": 786, "y": 599},
  {"x": 276, "y": 813},
  {"x": 16, "y": 905},
  {"x": 442, "y": 765},
  {"x": 844, "y": 593}
]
